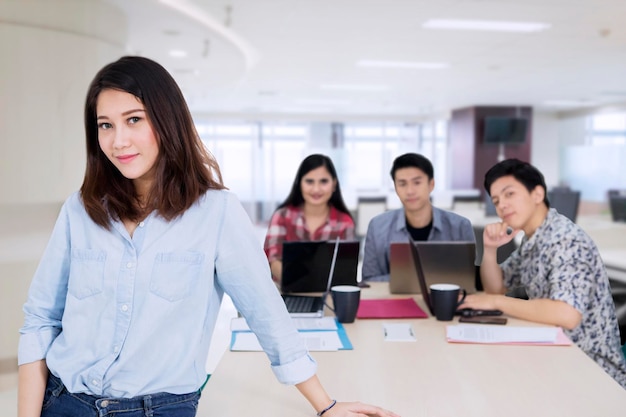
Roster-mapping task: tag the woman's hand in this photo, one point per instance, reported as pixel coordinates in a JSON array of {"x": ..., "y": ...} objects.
[{"x": 357, "y": 409}]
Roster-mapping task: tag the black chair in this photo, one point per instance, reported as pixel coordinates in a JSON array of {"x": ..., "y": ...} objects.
[
  {"x": 617, "y": 204},
  {"x": 490, "y": 209},
  {"x": 565, "y": 201},
  {"x": 504, "y": 252}
]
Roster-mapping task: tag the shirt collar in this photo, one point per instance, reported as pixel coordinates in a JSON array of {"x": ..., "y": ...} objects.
[
  {"x": 529, "y": 243},
  {"x": 400, "y": 219}
]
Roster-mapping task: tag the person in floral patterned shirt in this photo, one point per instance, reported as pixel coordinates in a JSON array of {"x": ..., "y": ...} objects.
[{"x": 557, "y": 263}]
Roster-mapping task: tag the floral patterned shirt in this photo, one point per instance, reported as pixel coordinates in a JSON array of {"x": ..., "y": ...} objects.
[{"x": 561, "y": 262}]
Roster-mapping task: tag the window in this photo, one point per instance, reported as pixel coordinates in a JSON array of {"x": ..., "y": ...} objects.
[
  {"x": 597, "y": 166},
  {"x": 606, "y": 129},
  {"x": 259, "y": 160}
]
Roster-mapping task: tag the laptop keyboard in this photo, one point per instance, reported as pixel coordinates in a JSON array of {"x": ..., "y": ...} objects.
[{"x": 299, "y": 304}]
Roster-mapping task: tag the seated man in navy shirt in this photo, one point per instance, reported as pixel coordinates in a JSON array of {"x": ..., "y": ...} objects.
[{"x": 413, "y": 179}]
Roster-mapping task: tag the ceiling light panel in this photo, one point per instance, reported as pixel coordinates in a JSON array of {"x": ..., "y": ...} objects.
[
  {"x": 402, "y": 64},
  {"x": 485, "y": 25},
  {"x": 354, "y": 87},
  {"x": 569, "y": 103},
  {"x": 177, "y": 53}
]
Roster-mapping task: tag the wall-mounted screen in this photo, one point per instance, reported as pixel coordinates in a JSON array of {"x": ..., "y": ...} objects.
[{"x": 506, "y": 130}]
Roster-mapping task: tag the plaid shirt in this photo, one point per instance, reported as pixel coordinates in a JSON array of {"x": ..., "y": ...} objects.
[{"x": 287, "y": 224}]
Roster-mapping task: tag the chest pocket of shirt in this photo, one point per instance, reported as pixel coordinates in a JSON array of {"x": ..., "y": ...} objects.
[
  {"x": 86, "y": 272},
  {"x": 175, "y": 274}
]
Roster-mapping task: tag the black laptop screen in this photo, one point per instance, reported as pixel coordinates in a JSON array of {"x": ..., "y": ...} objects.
[{"x": 306, "y": 265}]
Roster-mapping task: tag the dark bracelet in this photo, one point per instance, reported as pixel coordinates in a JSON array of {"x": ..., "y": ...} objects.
[{"x": 327, "y": 408}]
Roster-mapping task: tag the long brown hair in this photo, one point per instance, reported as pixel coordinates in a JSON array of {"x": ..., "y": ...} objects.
[{"x": 185, "y": 169}]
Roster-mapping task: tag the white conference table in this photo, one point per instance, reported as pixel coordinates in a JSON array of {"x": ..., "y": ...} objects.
[{"x": 429, "y": 377}]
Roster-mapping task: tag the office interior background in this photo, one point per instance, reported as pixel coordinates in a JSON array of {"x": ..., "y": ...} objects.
[{"x": 271, "y": 81}]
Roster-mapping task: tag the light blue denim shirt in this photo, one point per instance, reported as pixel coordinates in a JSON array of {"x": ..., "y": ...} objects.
[
  {"x": 119, "y": 316},
  {"x": 390, "y": 226}
]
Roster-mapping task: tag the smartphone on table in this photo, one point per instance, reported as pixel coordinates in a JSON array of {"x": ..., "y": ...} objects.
[{"x": 483, "y": 320}]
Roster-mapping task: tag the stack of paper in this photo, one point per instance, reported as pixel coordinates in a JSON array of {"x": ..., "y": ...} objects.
[{"x": 506, "y": 335}]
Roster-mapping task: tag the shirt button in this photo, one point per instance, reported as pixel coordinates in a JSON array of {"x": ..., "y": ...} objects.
[
  {"x": 129, "y": 265},
  {"x": 95, "y": 382},
  {"x": 140, "y": 224},
  {"x": 116, "y": 349},
  {"x": 124, "y": 307}
]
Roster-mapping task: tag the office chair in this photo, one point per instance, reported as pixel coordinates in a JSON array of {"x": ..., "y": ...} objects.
[
  {"x": 490, "y": 209},
  {"x": 368, "y": 208},
  {"x": 565, "y": 201},
  {"x": 617, "y": 204},
  {"x": 504, "y": 252},
  {"x": 470, "y": 198}
]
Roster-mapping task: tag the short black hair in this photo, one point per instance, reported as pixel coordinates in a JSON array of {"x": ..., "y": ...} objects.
[
  {"x": 522, "y": 171},
  {"x": 413, "y": 160}
]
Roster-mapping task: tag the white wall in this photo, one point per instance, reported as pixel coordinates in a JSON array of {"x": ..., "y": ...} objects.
[
  {"x": 50, "y": 50},
  {"x": 545, "y": 146}
]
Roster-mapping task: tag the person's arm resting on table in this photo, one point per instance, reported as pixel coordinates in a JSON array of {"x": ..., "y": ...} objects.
[
  {"x": 314, "y": 392},
  {"x": 541, "y": 310}
]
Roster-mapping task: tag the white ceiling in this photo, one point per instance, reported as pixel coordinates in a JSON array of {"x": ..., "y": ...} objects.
[{"x": 268, "y": 57}]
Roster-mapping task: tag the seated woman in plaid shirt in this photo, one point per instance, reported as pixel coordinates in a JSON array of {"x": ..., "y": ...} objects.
[{"x": 314, "y": 210}]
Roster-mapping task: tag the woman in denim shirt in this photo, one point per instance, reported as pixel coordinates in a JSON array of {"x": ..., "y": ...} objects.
[{"x": 121, "y": 309}]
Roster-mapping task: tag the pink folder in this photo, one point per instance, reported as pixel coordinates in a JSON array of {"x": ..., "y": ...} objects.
[{"x": 392, "y": 308}]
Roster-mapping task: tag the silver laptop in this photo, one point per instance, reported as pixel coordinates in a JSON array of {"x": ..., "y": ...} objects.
[
  {"x": 402, "y": 274},
  {"x": 450, "y": 262},
  {"x": 307, "y": 305}
]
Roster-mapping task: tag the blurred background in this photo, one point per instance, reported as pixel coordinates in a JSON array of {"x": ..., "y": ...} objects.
[{"x": 464, "y": 82}]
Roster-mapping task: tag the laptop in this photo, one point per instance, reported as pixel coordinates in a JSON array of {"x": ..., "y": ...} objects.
[
  {"x": 313, "y": 306},
  {"x": 418, "y": 254},
  {"x": 441, "y": 261},
  {"x": 402, "y": 274},
  {"x": 306, "y": 265}
]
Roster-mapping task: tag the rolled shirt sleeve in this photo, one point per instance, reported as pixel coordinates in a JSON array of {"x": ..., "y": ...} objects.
[
  {"x": 247, "y": 280},
  {"x": 44, "y": 307}
]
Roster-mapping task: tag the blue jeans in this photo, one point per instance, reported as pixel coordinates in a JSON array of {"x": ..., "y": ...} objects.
[{"x": 59, "y": 402}]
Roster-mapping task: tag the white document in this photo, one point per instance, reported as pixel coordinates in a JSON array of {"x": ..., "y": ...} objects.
[
  {"x": 315, "y": 341},
  {"x": 318, "y": 323},
  {"x": 398, "y": 332},
  {"x": 501, "y": 334}
]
